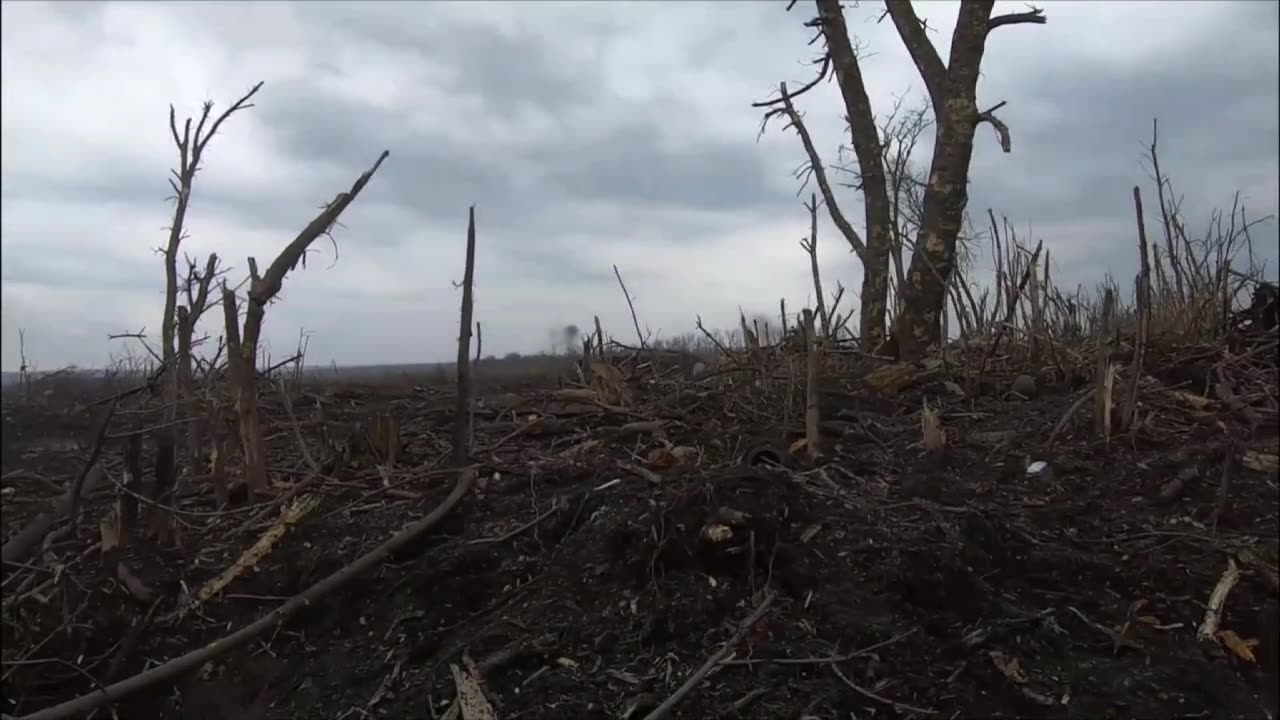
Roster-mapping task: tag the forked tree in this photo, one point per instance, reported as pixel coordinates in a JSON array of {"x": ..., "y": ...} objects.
[
  {"x": 178, "y": 325},
  {"x": 952, "y": 90}
]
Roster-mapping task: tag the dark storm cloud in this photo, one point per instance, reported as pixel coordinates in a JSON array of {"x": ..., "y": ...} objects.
[
  {"x": 510, "y": 70},
  {"x": 576, "y": 165}
]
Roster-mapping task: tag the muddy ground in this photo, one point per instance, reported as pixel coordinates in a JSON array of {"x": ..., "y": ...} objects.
[{"x": 588, "y": 573}]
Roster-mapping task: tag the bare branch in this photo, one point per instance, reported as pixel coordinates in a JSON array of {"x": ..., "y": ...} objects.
[
  {"x": 912, "y": 31},
  {"x": 1035, "y": 16},
  {"x": 271, "y": 282},
  {"x": 823, "y": 73},
  {"x": 1002, "y": 130},
  {"x": 820, "y": 174},
  {"x": 242, "y": 104}
]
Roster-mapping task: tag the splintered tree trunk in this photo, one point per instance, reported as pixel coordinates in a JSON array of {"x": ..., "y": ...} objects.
[
  {"x": 462, "y": 414},
  {"x": 186, "y": 383},
  {"x": 255, "y": 460},
  {"x": 244, "y": 394},
  {"x": 242, "y": 347}
]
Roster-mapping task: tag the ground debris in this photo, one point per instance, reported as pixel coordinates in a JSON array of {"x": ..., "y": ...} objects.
[{"x": 620, "y": 533}]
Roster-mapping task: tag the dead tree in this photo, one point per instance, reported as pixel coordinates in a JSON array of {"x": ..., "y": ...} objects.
[
  {"x": 462, "y": 414},
  {"x": 952, "y": 89},
  {"x": 810, "y": 246},
  {"x": 242, "y": 345},
  {"x": 191, "y": 147}
]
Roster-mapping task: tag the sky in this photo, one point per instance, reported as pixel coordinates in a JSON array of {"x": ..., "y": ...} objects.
[{"x": 586, "y": 135}]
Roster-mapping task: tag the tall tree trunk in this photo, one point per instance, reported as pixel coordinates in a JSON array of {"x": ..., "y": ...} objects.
[
  {"x": 947, "y": 193},
  {"x": 875, "y": 193},
  {"x": 952, "y": 92}
]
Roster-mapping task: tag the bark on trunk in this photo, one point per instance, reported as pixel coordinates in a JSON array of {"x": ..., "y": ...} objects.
[
  {"x": 866, "y": 146},
  {"x": 947, "y": 193}
]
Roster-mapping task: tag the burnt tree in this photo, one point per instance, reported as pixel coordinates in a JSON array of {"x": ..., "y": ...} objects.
[
  {"x": 952, "y": 90},
  {"x": 176, "y": 328},
  {"x": 242, "y": 344}
]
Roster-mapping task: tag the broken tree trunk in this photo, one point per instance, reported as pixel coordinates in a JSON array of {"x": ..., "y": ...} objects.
[
  {"x": 262, "y": 289},
  {"x": 462, "y": 413},
  {"x": 810, "y": 246}
]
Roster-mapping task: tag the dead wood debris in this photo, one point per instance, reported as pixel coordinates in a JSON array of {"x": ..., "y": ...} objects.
[{"x": 582, "y": 564}]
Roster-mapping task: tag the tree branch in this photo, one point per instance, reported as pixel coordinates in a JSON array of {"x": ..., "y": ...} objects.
[
  {"x": 820, "y": 174},
  {"x": 1033, "y": 17},
  {"x": 242, "y": 104},
  {"x": 912, "y": 31},
  {"x": 1002, "y": 130},
  {"x": 266, "y": 287},
  {"x": 823, "y": 73}
]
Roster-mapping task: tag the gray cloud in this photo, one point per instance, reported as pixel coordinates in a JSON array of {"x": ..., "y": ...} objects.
[{"x": 586, "y": 134}]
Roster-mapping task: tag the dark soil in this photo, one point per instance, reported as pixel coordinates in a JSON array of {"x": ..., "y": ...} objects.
[{"x": 582, "y": 588}]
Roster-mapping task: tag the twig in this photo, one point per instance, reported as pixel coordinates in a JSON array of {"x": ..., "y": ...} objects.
[
  {"x": 555, "y": 507},
  {"x": 1013, "y": 306},
  {"x": 665, "y": 708},
  {"x": 297, "y": 429},
  {"x": 73, "y": 506},
  {"x": 822, "y": 660},
  {"x": 634, "y": 320},
  {"x": 899, "y": 706}
]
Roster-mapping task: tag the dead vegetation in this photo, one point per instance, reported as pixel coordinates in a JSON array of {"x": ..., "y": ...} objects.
[{"x": 773, "y": 522}]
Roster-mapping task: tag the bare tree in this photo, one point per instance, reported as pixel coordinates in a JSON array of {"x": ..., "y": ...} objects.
[
  {"x": 810, "y": 246},
  {"x": 952, "y": 95},
  {"x": 191, "y": 147}
]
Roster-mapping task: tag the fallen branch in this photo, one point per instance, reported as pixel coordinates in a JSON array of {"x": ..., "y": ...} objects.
[
  {"x": 823, "y": 660},
  {"x": 899, "y": 706},
  {"x": 20, "y": 546},
  {"x": 1217, "y": 599},
  {"x": 194, "y": 659},
  {"x": 716, "y": 658},
  {"x": 555, "y": 507}
]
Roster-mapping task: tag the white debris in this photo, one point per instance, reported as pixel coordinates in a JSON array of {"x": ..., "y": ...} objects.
[{"x": 1038, "y": 469}]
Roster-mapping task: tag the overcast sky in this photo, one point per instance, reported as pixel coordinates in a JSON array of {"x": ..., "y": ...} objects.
[{"x": 587, "y": 134}]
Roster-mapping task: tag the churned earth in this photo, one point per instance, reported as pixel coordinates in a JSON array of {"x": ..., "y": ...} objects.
[{"x": 611, "y": 545}]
